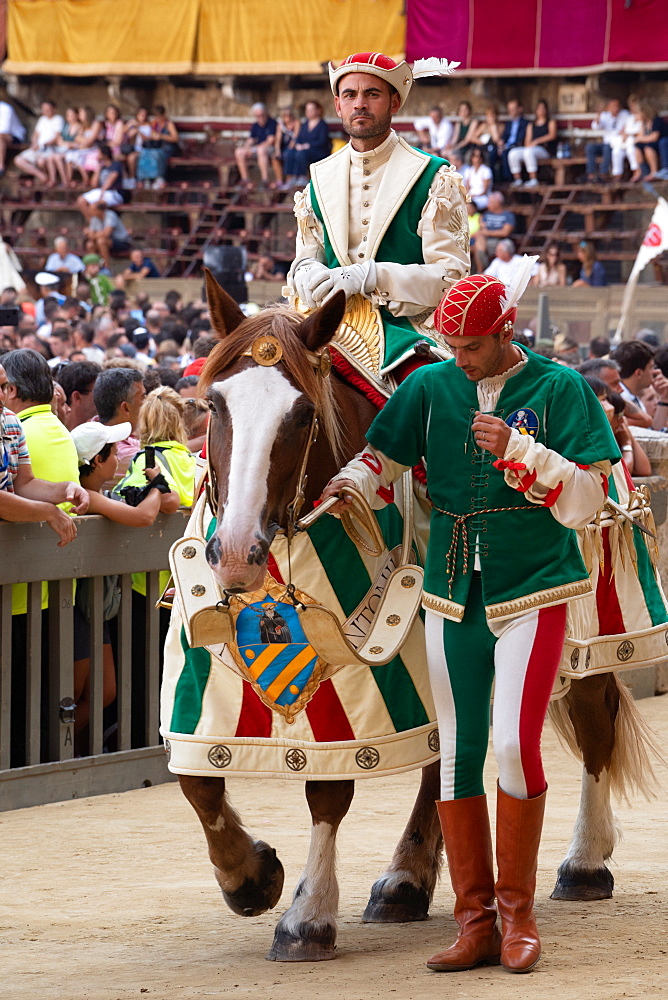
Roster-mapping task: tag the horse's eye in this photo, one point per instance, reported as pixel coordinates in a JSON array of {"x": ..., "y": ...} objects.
[{"x": 212, "y": 407}]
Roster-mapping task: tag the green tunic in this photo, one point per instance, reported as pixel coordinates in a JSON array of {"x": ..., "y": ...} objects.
[
  {"x": 527, "y": 558},
  {"x": 400, "y": 245}
]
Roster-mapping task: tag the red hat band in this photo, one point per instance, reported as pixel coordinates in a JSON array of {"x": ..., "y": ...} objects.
[
  {"x": 398, "y": 75},
  {"x": 474, "y": 307},
  {"x": 371, "y": 59}
]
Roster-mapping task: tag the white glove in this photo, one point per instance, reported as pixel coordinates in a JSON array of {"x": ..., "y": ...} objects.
[
  {"x": 307, "y": 276},
  {"x": 353, "y": 279}
]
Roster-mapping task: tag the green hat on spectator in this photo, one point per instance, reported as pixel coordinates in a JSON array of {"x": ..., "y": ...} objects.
[{"x": 91, "y": 258}]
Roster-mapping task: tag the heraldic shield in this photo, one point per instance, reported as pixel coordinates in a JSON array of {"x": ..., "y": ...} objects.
[{"x": 273, "y": 653}]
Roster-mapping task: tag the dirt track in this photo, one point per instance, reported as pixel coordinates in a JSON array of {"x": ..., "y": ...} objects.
[{"x": 113, "y": 897}]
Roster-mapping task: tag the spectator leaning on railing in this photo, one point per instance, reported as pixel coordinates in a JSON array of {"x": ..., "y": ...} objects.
[
  {"x": 96, "y": 447},
  {"x": 24, "y": 497},
  {"x": 29, "y": 393}
]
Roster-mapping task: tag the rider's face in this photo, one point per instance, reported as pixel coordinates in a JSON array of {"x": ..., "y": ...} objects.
[{"x": 365, "y": 104}]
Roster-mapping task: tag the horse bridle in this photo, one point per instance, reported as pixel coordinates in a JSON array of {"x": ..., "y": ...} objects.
[{"x": 266, "y": 351}]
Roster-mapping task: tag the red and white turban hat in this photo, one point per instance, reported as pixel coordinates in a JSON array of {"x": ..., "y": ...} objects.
[
  {"x": 481, "y": 305},
  {"x": 398, "y": 75}
]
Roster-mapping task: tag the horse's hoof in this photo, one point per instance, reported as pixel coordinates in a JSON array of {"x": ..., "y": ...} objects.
[
  {"x": 308, "y": 944},
  {"x": 261, "y": 893},
  {"x": 396, "y": 904},
  {"x": 582, "y": 884}
]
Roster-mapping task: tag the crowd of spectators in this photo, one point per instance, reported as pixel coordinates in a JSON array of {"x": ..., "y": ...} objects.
[
  {"x": 85, "y": 390},
  {"x": 82, "y": 147},
  {"x": 288, "y": 145},
  {"x": 630, "y": 379},
  {"x": 489, "y": 153}
]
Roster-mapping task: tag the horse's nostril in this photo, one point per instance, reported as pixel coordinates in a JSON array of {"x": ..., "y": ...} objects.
[
  {"x": 213, "y": 551},
  {"x": 258, "y": 553}
]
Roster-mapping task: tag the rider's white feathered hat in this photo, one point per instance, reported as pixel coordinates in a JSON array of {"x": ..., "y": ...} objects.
[{"x": 398, "y": 75}]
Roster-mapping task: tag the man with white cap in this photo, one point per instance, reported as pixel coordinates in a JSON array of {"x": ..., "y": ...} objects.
[
  {"x": 48, "y": 284},
  {"x": 518, "y": 453},
  {"x": 97, "y": 446},
  {"x": 380, "y": 219}
]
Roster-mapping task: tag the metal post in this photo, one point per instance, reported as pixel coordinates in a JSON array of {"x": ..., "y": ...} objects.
[
  {"x": 96, "y": 676},
  {"x": 124, "y": 665},
  {"x": 61, "y": 670},
  {"x": 5, "y": 674},
  {"x": 543, "y": 325}
]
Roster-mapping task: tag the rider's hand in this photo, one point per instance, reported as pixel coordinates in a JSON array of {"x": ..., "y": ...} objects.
[
  {"x": 355, "y": 279},
  {"x": 333, "y": 489},
  {"x": 60, "y": 522},
  {"x": 307, "y": 277}
]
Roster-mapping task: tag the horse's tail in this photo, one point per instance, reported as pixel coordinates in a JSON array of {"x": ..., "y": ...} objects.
[{"x": 636, "y": 748}]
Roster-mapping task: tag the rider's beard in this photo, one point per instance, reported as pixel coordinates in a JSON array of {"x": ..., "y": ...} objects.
[{"x": 371, "y": 127}]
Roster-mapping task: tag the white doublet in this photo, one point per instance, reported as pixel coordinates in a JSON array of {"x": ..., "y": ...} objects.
[{"x": 366, "y": 172}]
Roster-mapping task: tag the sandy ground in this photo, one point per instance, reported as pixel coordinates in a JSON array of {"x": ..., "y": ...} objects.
[{"x": 113, "y": 897}]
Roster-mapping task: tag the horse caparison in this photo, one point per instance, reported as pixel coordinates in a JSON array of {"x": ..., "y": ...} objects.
[{"x": 597, "y": 718}]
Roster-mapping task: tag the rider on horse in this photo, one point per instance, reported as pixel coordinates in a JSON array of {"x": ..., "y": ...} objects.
[
  {"x": 502, "y": 562},
  {"x": 380, "y": 219}
]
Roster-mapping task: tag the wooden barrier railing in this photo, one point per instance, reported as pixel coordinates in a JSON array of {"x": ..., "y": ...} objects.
[{"x": 37, "y": 725}]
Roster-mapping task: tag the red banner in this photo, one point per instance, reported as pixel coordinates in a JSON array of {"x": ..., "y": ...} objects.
[{"x": 540, "y": 36}]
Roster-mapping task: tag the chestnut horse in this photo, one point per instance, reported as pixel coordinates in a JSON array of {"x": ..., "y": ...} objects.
[{"x": 256, "y": 477}]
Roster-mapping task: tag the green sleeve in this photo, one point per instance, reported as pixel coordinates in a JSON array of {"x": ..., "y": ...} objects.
[
  {"x": 400, "y": 429},
  {"x": 576, "y": 424}
]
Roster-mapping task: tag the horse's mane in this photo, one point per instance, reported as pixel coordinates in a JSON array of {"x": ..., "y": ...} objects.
[{"x": 283, "y": 323}]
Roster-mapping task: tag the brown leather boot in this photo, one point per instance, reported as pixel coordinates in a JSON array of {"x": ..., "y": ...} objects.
[
  {"x": 468, "y": 845},
  {"x": 519, "y": 823}
]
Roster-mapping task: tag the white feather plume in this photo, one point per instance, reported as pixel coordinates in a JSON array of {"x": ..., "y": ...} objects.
[
  {"x": 519, "y": 281},
  {"x": 433, "y": 67}
]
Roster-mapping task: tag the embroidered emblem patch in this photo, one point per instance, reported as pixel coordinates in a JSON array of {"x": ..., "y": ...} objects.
[{"x": 525, "y": 421}]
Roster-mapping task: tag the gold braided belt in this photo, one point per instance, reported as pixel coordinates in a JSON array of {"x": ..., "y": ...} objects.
[{"x": 460, "y": 529}]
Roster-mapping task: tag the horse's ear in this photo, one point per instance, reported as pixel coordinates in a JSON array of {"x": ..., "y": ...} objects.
[
  {"x": 319, "y": 328},
  {"x": 225, "y": 312}
]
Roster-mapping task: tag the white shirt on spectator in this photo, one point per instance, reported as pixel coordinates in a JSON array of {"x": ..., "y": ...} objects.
[
  {"x": 10, "y": 123},
  {"x": 475, "y": 180},
  {"x": 440, "y": 135},
  {"x": 47, "y": 130},
  {"x": 71, "y": 263},
  {"x": 612, "y": 125},
  {"x": 630, "y": 398},
  {"x": 504, "y": 269}
]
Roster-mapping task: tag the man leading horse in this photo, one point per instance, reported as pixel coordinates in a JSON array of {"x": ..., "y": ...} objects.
[
  {"x": 380, "y": 219},
  {"x": 502, "y": 563}
]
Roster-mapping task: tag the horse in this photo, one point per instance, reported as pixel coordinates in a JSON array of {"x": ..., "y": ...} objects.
[{"x": 259, "y": 445}]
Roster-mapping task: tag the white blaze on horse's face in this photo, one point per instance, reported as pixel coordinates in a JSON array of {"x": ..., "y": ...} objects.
[{"x": 258, "y": 400}]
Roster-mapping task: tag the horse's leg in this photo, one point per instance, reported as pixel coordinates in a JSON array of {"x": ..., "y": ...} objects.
[
  {"x": 307, "y": 930},
  {"x": 248, "y": 871},
  {"x": 593, "y": 706},
  {"x": 404, "y": 891}
]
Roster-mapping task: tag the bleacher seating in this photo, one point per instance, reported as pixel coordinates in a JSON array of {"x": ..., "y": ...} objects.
[{"x": 200, "y": 206}]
